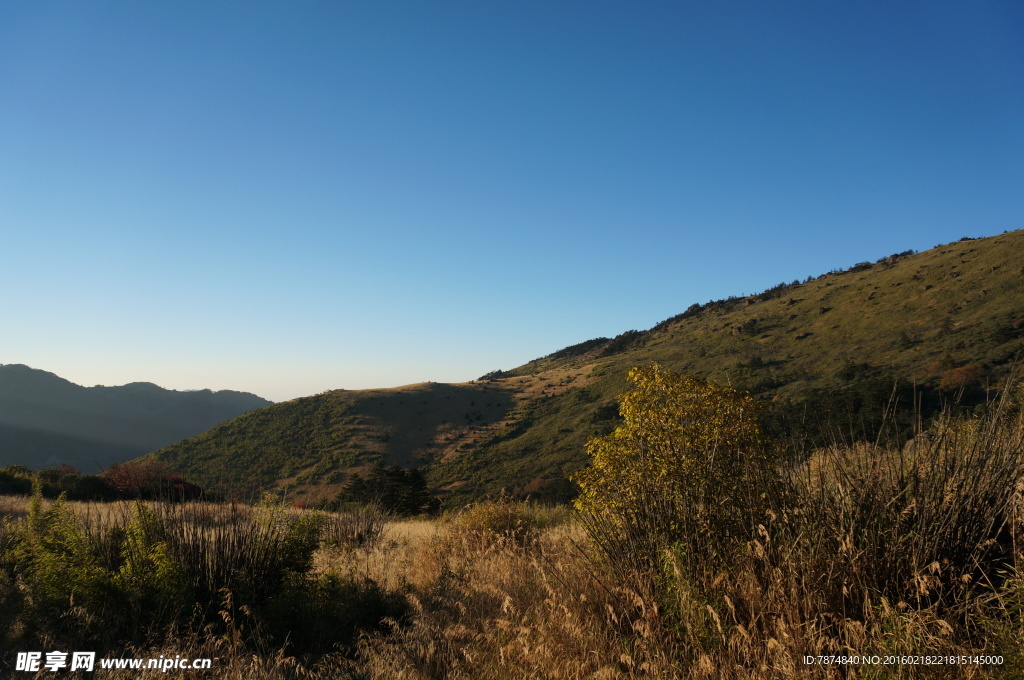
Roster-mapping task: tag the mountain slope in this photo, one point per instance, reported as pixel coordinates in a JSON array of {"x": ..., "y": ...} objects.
[
  {"x": 45, "y": 419},
  {"x": 318, "y": 440},
  {"x": 830, "y": 348}
]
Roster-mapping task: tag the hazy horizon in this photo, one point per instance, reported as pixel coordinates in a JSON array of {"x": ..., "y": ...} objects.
[{"x": 286, "y": 200}]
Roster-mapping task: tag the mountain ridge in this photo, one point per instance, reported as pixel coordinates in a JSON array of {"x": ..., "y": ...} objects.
[
  {"x": 47, "y": 420},
  {"x": 943, "y": 321}
]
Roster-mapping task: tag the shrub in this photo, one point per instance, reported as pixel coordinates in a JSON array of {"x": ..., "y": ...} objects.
[
  {"x": 315, "y": 613},
  {"x": 58, "y": 560},
  {"x": 152, "y": 586},
  {"x": 961, "y": 378},
  {"x": 689, "y": 467},
  {"x": 502, "y": 521},
  {"x": 171, "y": 566},
  {"x": 54, "y": 481}
]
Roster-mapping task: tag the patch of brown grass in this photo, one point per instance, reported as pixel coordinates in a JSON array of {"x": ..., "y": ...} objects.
[{"x": 497, "y": 607}]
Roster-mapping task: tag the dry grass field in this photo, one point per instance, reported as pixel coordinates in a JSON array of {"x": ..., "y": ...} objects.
[
  {"x": 863, "y": 561},
  {"x": 512, "y": 592}
]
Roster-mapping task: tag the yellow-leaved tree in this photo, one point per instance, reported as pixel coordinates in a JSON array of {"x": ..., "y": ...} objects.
[{"x": 689, "y": 469}]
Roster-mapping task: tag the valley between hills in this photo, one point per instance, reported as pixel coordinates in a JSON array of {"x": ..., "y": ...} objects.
[{"x": 829, "y": 353}]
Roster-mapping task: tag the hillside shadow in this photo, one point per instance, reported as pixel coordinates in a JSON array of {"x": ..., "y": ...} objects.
[{"x": 417, "y": 423}]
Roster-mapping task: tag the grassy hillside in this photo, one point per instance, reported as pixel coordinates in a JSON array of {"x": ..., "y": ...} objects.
[
  {"x": 827, "y": 351},
  {"x": 310, "y": 445}
]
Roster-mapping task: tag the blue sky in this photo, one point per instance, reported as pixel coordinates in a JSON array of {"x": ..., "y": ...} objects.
[{"x": 289, "y": 198}]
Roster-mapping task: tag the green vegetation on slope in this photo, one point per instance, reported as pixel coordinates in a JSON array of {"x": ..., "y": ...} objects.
[
  {"x": 938, "y": 326},
  {"x": 256, "y": 450},
  {"x": 943, "y": 325},
  {"x": 310, "y": 446}
]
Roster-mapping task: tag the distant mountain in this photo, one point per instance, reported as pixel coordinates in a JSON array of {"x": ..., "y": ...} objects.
[
  {"x": 827, "y": 352},
  {"x": 46, "y": 420}
]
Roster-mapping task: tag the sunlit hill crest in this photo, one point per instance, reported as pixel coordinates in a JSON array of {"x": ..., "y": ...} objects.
[{"x": 827, "y": 352}]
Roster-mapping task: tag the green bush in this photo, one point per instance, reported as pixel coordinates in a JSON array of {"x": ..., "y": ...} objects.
[
  {"x": 154, "y": 586},
  {"x": 315, "y": 613}
]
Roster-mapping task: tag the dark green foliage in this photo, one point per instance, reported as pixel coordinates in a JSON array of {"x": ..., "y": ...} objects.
[
  {"x": 392, "y": 489},
  {"x": 871, "y": 403},
  {"x": 774, "y": 292},
  {"x": 607, "y": 413},
  {"x": 126, "y": 481},
  {"x": 895, "y": 257},
  {"x": 314, "y": 613},
  {"x": 577, "y": 349},
  {"x": 53, "y": 556},
  {"x": 154, "y": 588},
  {"x": 17, "y": 479},
  {"x": 620, "y": 343}
]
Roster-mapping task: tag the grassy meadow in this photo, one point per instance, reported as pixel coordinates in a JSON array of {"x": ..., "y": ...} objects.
[{"x": 883, "y": 549}]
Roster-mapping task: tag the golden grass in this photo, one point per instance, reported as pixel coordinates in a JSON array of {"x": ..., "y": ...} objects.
[
  {"x": 394, "y": 560},
  {"x": 486, "y": 605},
  {"x": 489, "y": 607}
]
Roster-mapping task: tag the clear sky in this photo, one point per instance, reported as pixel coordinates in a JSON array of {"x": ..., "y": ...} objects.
[{"x": 286, "y": 198}]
